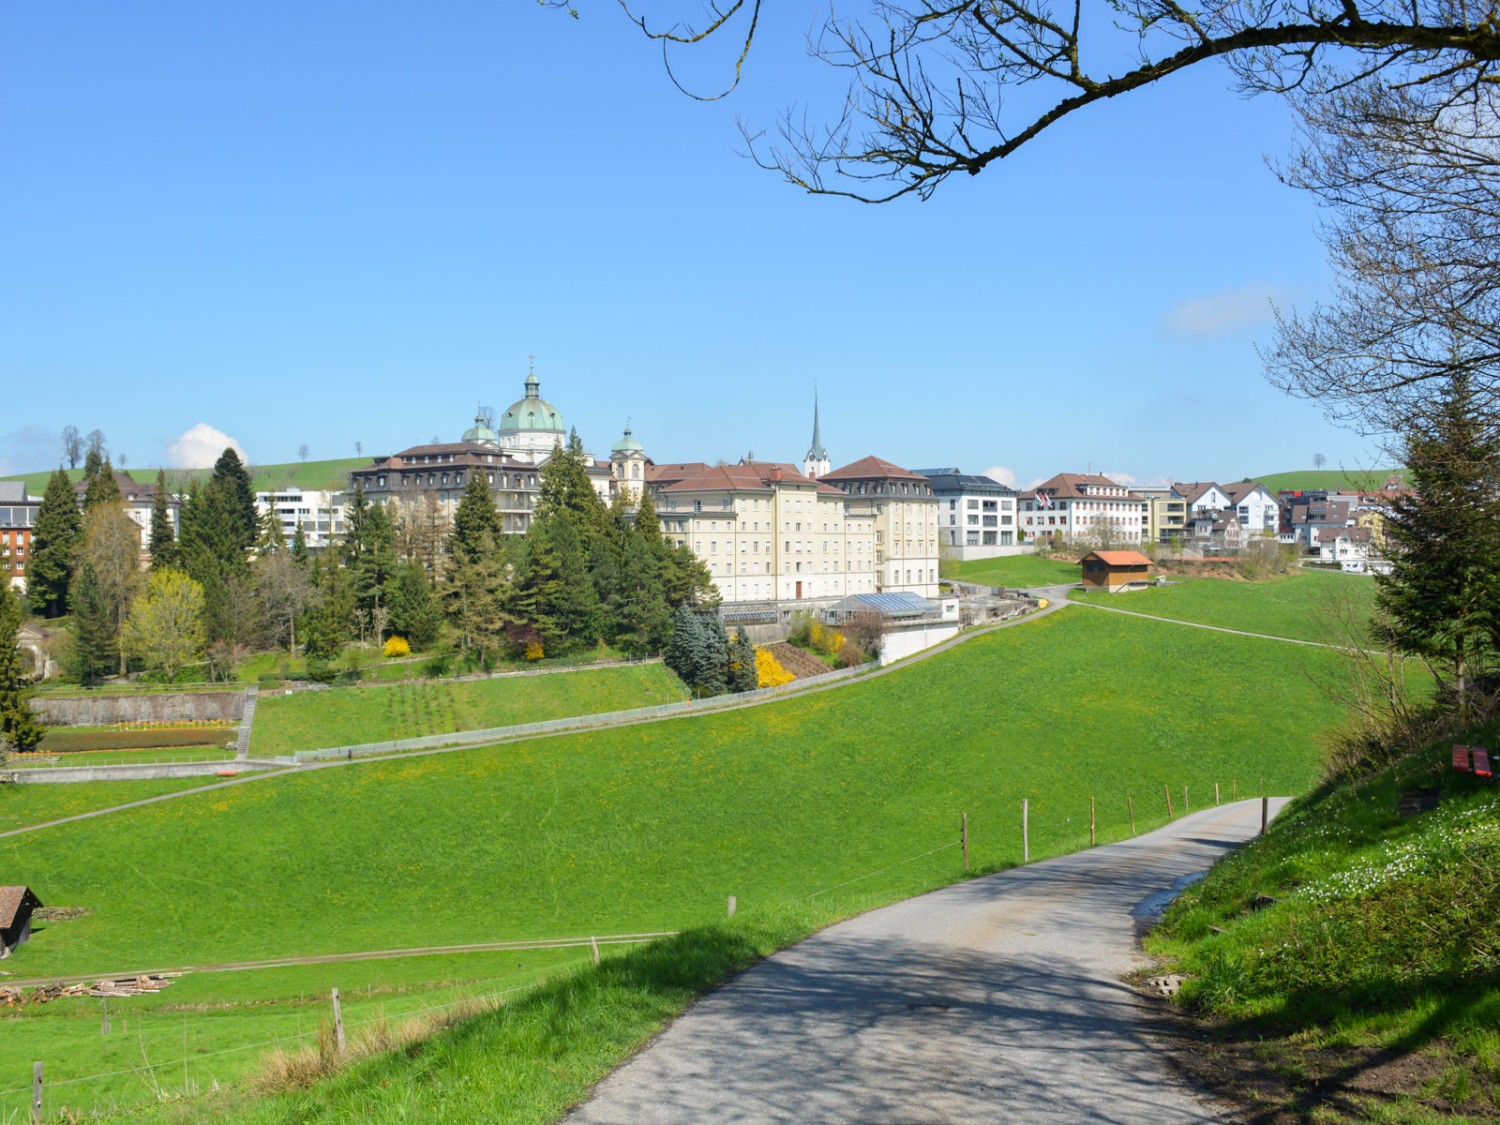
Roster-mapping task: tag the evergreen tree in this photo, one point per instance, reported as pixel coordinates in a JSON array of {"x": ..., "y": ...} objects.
[
  {"x": 54, "y": 545},
  {"x": 1441, "y": 600},
  {"x": 685, "y": 577},
  {"x": 93, "y": 464},
  {"x": 19, "y": 728},
  {"x": 475, "y": 518},
  {"x": 102, "y": 488},
  {"x": 94, "y": 653},
  {"x": 699, "y": 652},
  {"x": 743, "y": 675},
  {"x": 163, "y": 543},
  {"x": 269, "y": 536},
  {"x": 369, "y": 551},
  {"x": 299, "y": 545},
  {"x": 565, "y": 487},
  {"x": 567, "y": 605},
  {"x": 475, "y": 596},
  {"x": 639, "y": 613},
  {"x": 415, "y": 614},
  {"x": 236, "y": 498}
]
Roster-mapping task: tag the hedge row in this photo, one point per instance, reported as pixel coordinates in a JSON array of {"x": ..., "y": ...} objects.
[{"x": 63, "y": 741}]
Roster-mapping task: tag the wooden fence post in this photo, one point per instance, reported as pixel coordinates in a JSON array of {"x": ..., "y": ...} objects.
[
  {"x": 1186, "y": 808},
  {"x": 732, "y": 905},
  {"x": 1216, "y": 792},
  {"x": 966, "y": 840},
  {"x": 594, "y": 944},
  {"x": 1091, "y": 821},
  {"x": 1131, "y": 802},
  {"x": 1265, "y": 813},
  {"x": 338, "y": 1021},
  {"x": 1025, "y": 830},
  {"x": 104, "y": 1014},
  {"x": 1234, "y": 789},
  {"x": 1168, "y": 789},
  {"x": 36, "y": 1091}
]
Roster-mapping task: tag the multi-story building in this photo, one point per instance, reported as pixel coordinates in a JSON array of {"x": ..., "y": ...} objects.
[
  {"x": 511, "y": 458},
  {"x": 139, "y": 500},
  {"x": 319, "y": 513},
  {"x": 767, "y": 532},
  {"x": 1163, "y": 513},
  {"x": 906, "y": 522},
  {"x": 1082, "y": 507},
  {"x": 17, "y": 518},
  {"x": 976, "y": 514}
]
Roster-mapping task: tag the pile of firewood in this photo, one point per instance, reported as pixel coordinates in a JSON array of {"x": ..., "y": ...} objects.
[{"x": 15, "y": 997}]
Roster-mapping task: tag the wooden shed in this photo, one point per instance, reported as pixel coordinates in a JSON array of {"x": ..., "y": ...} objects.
[
  {"x": 1115, "y": 570},
  {"x": 16, "y": 905}
]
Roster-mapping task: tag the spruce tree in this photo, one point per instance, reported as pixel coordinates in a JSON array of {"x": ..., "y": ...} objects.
[
  {"x": 639, "y": 613},
  {"x": 19, "y": 727},
  {"x": 742, "y": 671},
  {"x": 299, "y": 545},
  {"x": 93, "y": 463},
  {"x": 236, "y": 498},
  {"x": 475, "y": 518},
  {"x": 415, "y": 614},
  {"x": 102, "y": 488},
  {"x": 54, "y": 546},
  {"x": 94, "y": 652},
  {"x": 1441, "y": 600},
  {"x": 163, "y": 541}
]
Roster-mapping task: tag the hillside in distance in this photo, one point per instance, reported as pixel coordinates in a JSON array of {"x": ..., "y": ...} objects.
[{"x": 332, "y": 474}]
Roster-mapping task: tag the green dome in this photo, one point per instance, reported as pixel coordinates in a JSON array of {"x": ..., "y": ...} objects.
[
  {"x": 481, "y": 433},
  {"x": 627, "y": 444},
  {"x": 533, "y": 413}
]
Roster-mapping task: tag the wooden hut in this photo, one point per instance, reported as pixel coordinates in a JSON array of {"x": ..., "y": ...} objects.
[
  {"x": 1115, "y": 570},
  {"x": 16, "y": 906}
]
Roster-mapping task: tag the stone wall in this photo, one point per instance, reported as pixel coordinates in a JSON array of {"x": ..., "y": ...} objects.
[{"x": 162, "y": 707}]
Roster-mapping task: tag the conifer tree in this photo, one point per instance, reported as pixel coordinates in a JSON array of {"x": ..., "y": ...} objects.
[
  {"x": 102, "y": 487},
  {"x": 163, "y": 542},
  {"x": 94, "y": 653},
  {"x": 1441, "y": 600},
  {"x": 236, "y": 498},
  {"x": 54, "y": 544},
  {"x": 415, "y": 614},
  {"x": 699, "y": 652},
  {"x": 19, "y": 727},
  {"x": 299, "y": 545},
  {"x": 369, "y": 550},
  {"x": 475, "y": 518},
  {"x": 475, "y": 596},
  {"x": 93, "y": 463},
  {"x": 743, "y": 674}
]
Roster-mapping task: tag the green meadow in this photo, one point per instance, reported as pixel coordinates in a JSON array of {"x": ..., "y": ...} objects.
[
  {"x": 332, "y": 474},
  {"x": 22, "y": 805},
  {"x": 308, "y": 720},
  {"x": 1334, "y": 480},
  {"x": 820, "y": 805},
  {"x": 1299, "y": 605},
  {"x": 1017, "y": 571}
]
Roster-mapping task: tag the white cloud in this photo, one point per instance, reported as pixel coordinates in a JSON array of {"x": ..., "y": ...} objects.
[
  {"x": 1002, "y": 474},
  {"x": 200, "y": 447},
  {"x": 1219, "y": 314},
  {"x": 1127, "y": 479},
  {"x": 1034, "y": 482}
]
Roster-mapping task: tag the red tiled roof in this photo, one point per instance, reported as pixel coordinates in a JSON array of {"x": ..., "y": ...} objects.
[
  {"x": 872, "y": 468},
  {"x": 1071, "y": 486},
  {"x": 1237, "y": 492},
  {"x": 746, "y": 476}
]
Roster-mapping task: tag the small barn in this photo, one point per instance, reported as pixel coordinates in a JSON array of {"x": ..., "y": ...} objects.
[
  {"x": 16, "y": 906},
  {"x": 1115, "y": 570}
]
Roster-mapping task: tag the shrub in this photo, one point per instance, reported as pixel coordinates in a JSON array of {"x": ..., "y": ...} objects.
[
  {"x": 534, "y": 650},
  {"x": 802, "y": 627},
  {"x": 438, "y": 666},
  {"x": 397, "y": 645},
  {"x": 768, "y": 670}
]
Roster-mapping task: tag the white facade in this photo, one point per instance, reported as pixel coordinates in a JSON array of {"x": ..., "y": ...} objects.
[
  {"x": 319, "y": 513},
  {"x": 976, "y": 515},
  {"x": 1080, "y": 506},
  {"x": 1257, "y": 509},
  {"x": 906, "y": 527}
]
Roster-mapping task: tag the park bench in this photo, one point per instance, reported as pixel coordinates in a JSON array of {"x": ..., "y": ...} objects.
[
  {"x": 1481, "y": 761},
  {"x": 1460, "y": 759}
]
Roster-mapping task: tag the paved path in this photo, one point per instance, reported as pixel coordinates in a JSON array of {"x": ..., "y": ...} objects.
[
  {"x": 1210, "y": 628},
  {"x": 998, "y": 999}
]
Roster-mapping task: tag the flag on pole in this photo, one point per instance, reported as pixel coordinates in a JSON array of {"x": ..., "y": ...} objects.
[{"x": 1043, "y": 500}]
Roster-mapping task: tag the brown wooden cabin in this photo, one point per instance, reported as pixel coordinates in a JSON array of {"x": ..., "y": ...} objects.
[{"x": 1115, "y": 570}]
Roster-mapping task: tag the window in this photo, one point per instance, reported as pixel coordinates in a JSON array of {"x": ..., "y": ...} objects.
[
  {"x": 697, "y": 505},
  {"x": 973, "y": 504}
]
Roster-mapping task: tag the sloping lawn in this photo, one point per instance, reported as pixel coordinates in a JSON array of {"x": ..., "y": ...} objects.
[
  {"x": 310, "y": 720},
  {"x": 1018, "y": 571},
  {"x": 1297, "y": 605}
]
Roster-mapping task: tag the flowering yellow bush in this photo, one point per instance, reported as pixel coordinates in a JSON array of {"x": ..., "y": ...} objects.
[
  {"x": 768, "y": 670},
  {"x": 397, "y": 646},
  {"x": 534, "y": 650}
]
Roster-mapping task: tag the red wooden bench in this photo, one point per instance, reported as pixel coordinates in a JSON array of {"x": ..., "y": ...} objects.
[
  {"x": 1460, "y": 758},
  {"x": 1481, "y": 762}
]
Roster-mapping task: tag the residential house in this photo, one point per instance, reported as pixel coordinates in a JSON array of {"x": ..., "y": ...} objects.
[
  {"x": 17, "y": 518},
  {"x": 1163, "y": 513},
  {"x": 1257, "y": 509},
  {"x": 139, "y": 500},
  {"x": 320, "y": 514},
  {"x": 1203, "y": 496}
]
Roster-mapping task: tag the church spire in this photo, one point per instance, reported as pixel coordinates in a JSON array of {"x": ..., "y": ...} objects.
[{"x": 816, "y": 462}]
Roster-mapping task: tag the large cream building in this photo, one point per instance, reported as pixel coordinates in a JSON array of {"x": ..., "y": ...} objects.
[
  {"x": 767, "y": 532},
  {"x": 905, "y": 514}
]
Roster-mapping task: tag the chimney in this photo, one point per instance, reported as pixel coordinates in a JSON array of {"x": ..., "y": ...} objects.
[{"x": 775, "y": 476}]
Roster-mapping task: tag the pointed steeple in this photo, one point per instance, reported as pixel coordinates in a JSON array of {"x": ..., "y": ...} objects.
[{"x": 816, "y": 462}]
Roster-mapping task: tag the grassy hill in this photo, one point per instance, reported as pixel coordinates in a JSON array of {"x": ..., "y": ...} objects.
[
  {"x": 1334, "y": 480},
  {"x": 264, "y": 478},
  {"x": 1348, "y": 959},
  {"x": 806, "y": 809}
]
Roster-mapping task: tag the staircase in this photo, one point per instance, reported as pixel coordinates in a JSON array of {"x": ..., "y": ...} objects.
[{"x": 247, "y": 719}]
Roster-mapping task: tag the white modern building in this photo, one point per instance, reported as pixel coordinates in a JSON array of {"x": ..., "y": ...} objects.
[
  {"x": 1081, "y": 507},
  {"x": 319, "y": 513},
  {"x": 976, "y": 515}
]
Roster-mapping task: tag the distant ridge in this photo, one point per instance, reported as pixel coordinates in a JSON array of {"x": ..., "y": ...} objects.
[
  {"x": 1334, "y": 480},
  {"x": 265, "y": 478}
]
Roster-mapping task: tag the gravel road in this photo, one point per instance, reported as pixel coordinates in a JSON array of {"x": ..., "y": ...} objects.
[{"x": 995, "y": 1000}]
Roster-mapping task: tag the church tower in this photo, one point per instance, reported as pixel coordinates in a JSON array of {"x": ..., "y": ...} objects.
[{"x": 815, "y": 464}]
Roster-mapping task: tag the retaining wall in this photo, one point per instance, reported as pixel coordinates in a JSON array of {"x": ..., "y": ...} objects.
[
  {"x": 161, "y": 707},
  {"x": 39, "y": 775}
]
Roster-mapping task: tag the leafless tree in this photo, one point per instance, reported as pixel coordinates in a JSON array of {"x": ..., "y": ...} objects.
[
  {"x": 72, "y": 446},
  {"x": 487, "y": 416},
  {"x": 95, "y": 443},
  {"x": 944, "y": 86},
  {"x": 1410, "y": 181},
  {"x": 302, "y": 451},
  {"x": 1319, "y": 460}
]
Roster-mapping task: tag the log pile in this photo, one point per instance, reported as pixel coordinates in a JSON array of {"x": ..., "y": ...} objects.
[{"x": 17, "y": 997}]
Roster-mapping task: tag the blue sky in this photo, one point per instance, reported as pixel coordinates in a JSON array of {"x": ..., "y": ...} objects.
[{"x": 352, "y": 222}]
